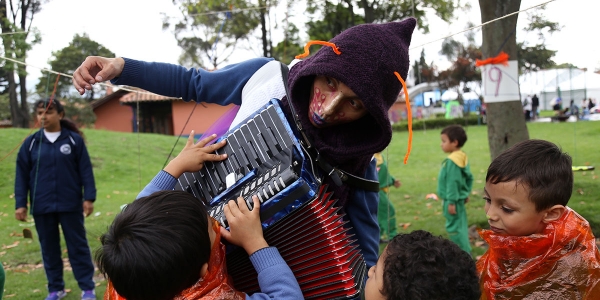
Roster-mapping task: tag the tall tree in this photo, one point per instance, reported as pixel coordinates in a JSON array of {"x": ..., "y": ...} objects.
[
  {"x": 66, "y": 61},
  {"x": 422, "y": 71},
  {"x": 210, "y": 30},
  {"x": 463, "y": 57},
  {"x": 15, "y": 19},
  {"x": 506, "y": 124},
  {"x": 463, "y": 68},
  {"x": 329, "y": 18}
]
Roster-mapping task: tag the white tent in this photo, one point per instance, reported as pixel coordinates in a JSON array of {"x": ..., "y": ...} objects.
[
  {"x": 572, "y": 83},
  {"x": 449, "y": 95}
]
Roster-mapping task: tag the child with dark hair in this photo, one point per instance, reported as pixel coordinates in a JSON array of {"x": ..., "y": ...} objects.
[
  {"x": 538, "y": 247},
  {"x": 418, "y": 265},
  {"x": 55, "y": 171},
  {"x": 454, "y": 185},
  {"x": 164, "y": 245}
]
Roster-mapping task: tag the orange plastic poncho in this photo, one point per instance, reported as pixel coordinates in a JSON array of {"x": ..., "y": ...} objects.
[
  {"x": 562, "y": 262},
  {"x": 216, "y": 283}
]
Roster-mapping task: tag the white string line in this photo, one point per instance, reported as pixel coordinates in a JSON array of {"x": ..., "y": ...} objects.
[
  {"x": 71, "y": 76},
  {"x": 481, "y": 25},
  {"x": 15, "y": 32},
  {"x": 226, "y": 11},
  {"x": 411, "y": 48}
]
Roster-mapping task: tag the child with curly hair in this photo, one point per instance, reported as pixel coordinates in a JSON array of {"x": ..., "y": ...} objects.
[{"x": 418, "y": 265}]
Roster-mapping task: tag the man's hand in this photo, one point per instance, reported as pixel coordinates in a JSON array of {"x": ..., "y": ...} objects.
[
  {"x": 21, "y": 214},
  {"x": 452, "y": 209},
  {"x": 397, "y": 183},
  {"x": 96, "y": 69},
  {"x": 244, "y": 225},
  {"x": 467, "y": 200},
  {"x": 88, "y": 207},
  {"x": 192, "y": 156}
]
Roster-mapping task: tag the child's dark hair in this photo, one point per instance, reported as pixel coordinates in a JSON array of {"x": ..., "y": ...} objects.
[
  {"x": 541, "y": 166},
  {"x": 56, "y": 105},
  {"x": 419, "y": 265},
  {"x": 455, "y": 133},
  {"x": 156, "y": 247}
]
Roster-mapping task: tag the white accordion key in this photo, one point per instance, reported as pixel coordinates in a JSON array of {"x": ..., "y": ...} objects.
[{"x": 230, "y": 180}]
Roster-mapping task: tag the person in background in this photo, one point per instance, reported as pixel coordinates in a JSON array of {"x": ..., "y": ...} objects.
[
  {"x": 527, "y": 108},
  {"x": 454, "y": 185},
  {"x": 53, "y": 167},
  {"x": 386, "y": 214},
  {"x": 574, "y": 109},
  {"x": 535, "y": 103}
]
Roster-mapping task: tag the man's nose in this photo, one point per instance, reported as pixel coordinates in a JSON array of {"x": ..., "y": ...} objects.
[{"x": 332, "y": 105}]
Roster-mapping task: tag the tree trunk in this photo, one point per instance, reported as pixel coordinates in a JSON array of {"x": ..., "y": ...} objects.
[
  {"x": 505, "y": 120},
  {"x": 263, "y": 29},
  {"x": 24, "y": 109},
  {"x": 10, "y": 67},
  {"x": 369, "y": 15}
]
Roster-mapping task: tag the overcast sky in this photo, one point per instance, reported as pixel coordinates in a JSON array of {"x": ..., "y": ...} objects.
[{"x": 133, "y": 28}]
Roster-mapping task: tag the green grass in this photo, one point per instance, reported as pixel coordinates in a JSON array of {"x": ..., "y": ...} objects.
[{"x": 121, "y": 171}]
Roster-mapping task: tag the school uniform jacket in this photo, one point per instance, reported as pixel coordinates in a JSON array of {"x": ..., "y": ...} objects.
[{"x": 52, "y": 175}]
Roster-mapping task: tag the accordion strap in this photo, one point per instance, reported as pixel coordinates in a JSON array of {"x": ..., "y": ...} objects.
[{"x": 337, "y": 175}]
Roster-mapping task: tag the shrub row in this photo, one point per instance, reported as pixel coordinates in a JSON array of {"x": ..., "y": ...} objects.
[{"x": 468, "y": 120}]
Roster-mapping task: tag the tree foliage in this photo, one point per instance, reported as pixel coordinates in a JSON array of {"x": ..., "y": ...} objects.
[
  {"x": 534, "y": 57},
  {"x": 286, "y": 50},
  {"x": 210, "y": 30},
  {"x": 66, "y": 61},
  {"x": 16, "y": 17},
  {"x": 422, "y": 71},
  {"x": 328, "y": 18},
  {"x": 463, "y": 57}
]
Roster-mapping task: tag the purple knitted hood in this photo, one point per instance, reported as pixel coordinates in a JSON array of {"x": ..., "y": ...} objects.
[{"x": 370, "y": 54}]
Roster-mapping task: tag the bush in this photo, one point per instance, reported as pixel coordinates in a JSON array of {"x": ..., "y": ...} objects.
[{"x": 438, "y": 123}]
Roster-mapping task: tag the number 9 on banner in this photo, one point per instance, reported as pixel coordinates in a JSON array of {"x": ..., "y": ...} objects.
[{"x": 500, "y": 83}]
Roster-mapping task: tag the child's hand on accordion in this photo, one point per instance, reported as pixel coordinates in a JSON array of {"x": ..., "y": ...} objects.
[
  {"x": 192, "y": 156},
  {"x": 245, "y": 229}
]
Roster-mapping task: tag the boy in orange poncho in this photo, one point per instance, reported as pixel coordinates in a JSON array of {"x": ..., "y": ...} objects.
[{"x": 538, "y": 247}]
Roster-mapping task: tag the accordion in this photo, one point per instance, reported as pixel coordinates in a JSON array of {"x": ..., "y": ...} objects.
[{"x": 299, "y": 217}]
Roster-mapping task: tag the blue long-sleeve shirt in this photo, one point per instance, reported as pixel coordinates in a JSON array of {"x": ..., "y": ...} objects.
[
  {"x": 275, "y": 277},
  {"x": 225, "y": 87},
  {"x": 53, "y": 175}
]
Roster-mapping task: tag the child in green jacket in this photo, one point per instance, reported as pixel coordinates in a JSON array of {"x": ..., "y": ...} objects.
[
  {"x": 454, "y": 185},
  {"x": 386, "y": 214}
]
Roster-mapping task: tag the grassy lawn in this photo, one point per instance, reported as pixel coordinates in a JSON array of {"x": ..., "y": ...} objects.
[{"x": 124, "y": 163}]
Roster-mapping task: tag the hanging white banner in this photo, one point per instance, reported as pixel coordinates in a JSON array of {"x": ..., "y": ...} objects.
[{"x": 500, "y": 82}]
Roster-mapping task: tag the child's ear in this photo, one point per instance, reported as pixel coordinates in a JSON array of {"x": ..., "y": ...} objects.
[
  {"x": 554, "y": 213},
  {"x": 204, "y": 270}
]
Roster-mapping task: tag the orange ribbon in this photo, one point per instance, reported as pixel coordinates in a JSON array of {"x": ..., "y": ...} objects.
[
  {"x": 336, "y": 50},
  {"x": 502, "y": 58}
]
